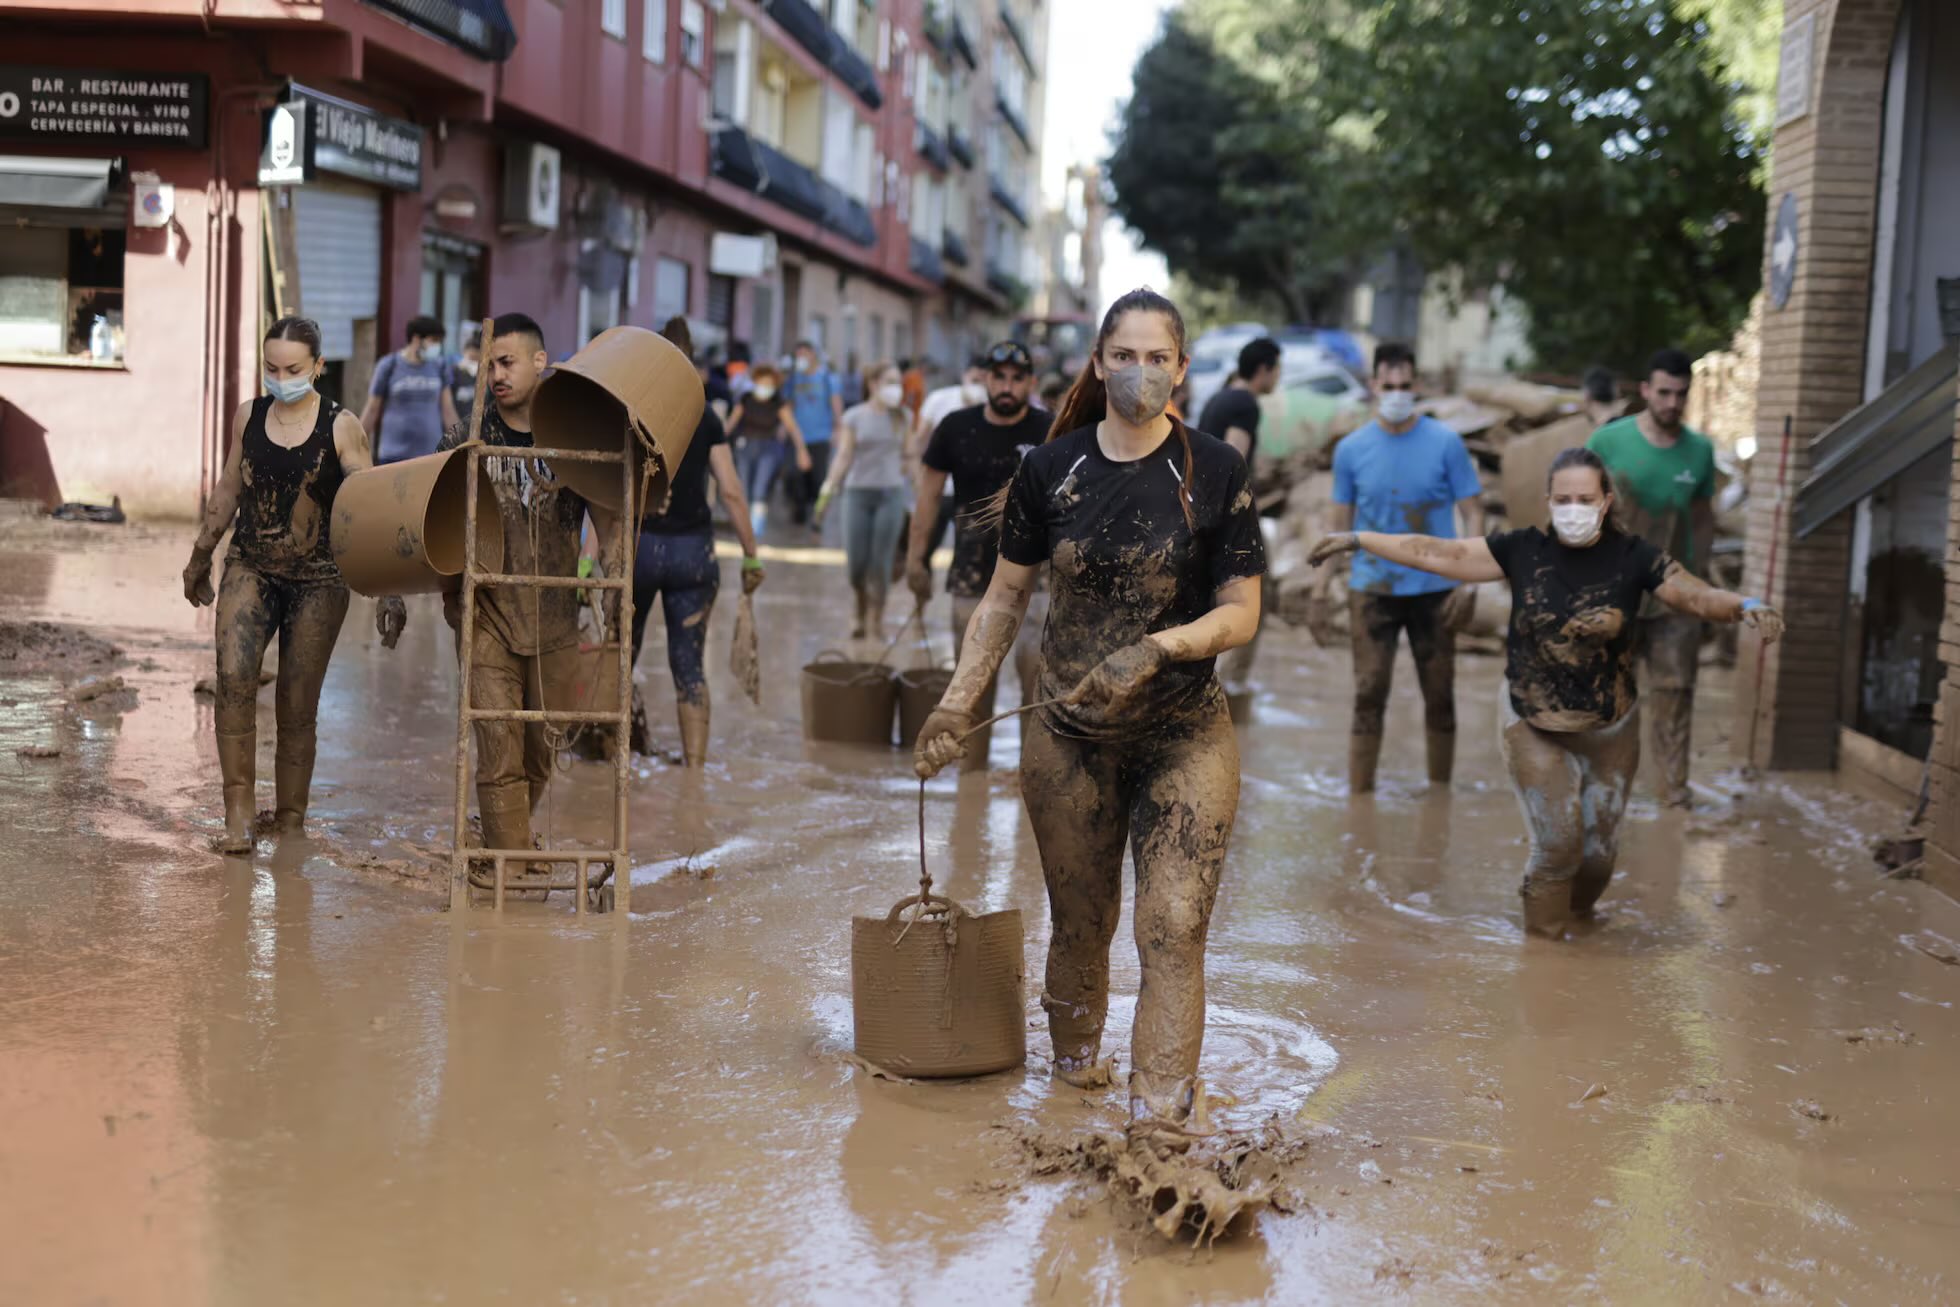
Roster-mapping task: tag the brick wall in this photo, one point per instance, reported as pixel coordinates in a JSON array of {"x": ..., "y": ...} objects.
[
  {"x": 1813, "y": 353},
  {"x": 1943, "y": 837}
]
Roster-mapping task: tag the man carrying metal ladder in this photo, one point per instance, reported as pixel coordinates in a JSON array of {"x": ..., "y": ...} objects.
[{"x": 524, "y": 650}]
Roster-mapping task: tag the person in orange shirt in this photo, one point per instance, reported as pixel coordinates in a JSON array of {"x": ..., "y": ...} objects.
[{"x": 914, "y": 381}]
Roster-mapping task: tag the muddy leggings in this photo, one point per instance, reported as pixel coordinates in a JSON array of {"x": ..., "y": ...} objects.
[
  {"x": 873, "y": 517},
  {"x": 681, "y": 569},
  {"x": 1572, "y": 788},
  {"x": 306, "y": 616},
  {"x": 1172, "y": 797}
]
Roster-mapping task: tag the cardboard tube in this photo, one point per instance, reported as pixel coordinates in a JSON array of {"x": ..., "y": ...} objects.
[
  {"x": 626, "y": 375},
  {"x": 398, "y": 529}
]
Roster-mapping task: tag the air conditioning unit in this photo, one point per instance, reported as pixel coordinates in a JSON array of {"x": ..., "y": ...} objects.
[{"x": 532, "y": 185}]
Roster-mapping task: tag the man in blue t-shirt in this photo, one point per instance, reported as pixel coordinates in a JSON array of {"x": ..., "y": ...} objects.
[
  {"x": 1402, "y": 473},
  {"x": 816, "y": 397},
  {"x": 409, "y": 402}
]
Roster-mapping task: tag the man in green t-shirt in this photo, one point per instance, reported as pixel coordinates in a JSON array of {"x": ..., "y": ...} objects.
[{"x": 1664, "y": 492}]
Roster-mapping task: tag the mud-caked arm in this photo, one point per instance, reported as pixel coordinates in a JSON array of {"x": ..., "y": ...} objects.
[
  {"x": 218, "y": 514},
  {"x": 1230, "y": 624},
  {"x": 989, "y": 638},
  {"x": 1459, "y": 560},
  {"x": 1685, "y": 592}
]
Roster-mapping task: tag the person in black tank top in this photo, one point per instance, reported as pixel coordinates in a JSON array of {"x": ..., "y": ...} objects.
[{"x": 290, "y": 450}]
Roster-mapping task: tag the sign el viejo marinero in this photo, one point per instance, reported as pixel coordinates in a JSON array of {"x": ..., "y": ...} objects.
[
  {"x": 310, "y": 134},
  {"x": 100, "y": 106}
]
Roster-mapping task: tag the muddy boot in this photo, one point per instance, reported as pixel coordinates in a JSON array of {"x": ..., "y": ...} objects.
[
  {"x": 1161, "y": 1111},
  {"x": 1075, "y": 1029},
  {"x": 238, "y": 762},
  {"x": 1442, "y": 756},
  {"x": 1364, "y": 752},
  {"x": 694, "y": 734},
  {"x": 292, "y": 777},
  {"x": 1671, "y": 712},
  {"x": 1547, "y": 909},
  {"x": 506, "y": 813}
]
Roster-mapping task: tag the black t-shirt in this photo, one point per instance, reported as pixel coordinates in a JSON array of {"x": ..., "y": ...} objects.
[
  {"x": 687, "y": 511},
  {"x": 1123, "y": 563},
  {"x": 1232, "y": 406},
  {"x": 981, "y": 457},
  {"x": 1573, "y": 611}
]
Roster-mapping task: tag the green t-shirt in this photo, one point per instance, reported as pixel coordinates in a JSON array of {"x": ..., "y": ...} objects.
[{"x": 1653, "y": 488}]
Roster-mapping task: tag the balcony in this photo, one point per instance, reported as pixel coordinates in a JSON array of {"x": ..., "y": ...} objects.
[
  {"x": 1012, "y": 117},
  {"x": 963, "y": 44},
  {"x": 1007, "y": 200},
  {"x": 1006, "y": 284},
  {"x": 854, "y": 72},
  {"x": 481, "y": 27},
  {"x": 953, "y": 248},
  {"x": 803, "y": 21},
  {"x": 959, "y": 146},
  {"x": 743, "y": 161},
  {"x": 931, "y": 147},
  {"x": 846, "y": 216},
  {"x": 939, "y": 32},
  {"x": 926, "y": 262},
  {"x": 1018, "y": 34}
]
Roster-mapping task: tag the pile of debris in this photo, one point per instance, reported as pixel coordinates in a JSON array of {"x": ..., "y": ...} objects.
[{"x": 1513, "y": 429}]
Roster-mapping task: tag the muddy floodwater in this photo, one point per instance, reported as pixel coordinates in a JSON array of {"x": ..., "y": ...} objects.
[{"x": 296, "y": 1079}]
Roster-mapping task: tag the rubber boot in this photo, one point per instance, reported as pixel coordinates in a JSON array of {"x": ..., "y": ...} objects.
[
  {"x": 1442, "y": 756},
  {"x": 292, "y": 777},
  {"x": 238, "y": 762},
  {"x": 1671, "y": 712},
  {"x": 1547, "y": 909},
  {"x": 1161, "y": 1110},
  {"x": 694, "y": 734},
  {"x": 506, "y": 810},
  {"x": 1364, "y": 752},
  {"x": 1076, "y": 1032}
]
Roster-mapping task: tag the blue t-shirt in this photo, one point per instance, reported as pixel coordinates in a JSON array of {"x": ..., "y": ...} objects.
[
  {"x": 1403, "y": 485},
  {"x": 810, "y": 394},
  {"x": 411, "y": 406}
]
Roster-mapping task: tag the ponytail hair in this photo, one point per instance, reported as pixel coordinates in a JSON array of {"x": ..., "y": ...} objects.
[{"x": 1087, "y": 402}]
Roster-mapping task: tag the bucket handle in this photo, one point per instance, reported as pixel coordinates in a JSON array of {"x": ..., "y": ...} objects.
[{"x": 872, "y": 671}]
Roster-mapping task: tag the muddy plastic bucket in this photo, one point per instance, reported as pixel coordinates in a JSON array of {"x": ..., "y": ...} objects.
[
  {"x": 626, "y": 375},
  {"x": 846, "y": 702},
  {"x": 919, "y": 692},
  {"x": 398, "y": 529},
  {"x": 938, "y": 994}
]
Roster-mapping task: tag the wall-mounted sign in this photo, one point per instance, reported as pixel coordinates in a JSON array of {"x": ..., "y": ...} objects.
[
  {"x": 311, "y": 134},
  {"x": 93, "y": 106},
  {"x": 1783, "y": 251},
  {"x": 1794, "y": 70}
]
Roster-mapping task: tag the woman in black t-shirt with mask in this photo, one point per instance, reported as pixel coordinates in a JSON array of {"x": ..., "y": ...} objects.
[
  {"x": 1571, "y": 733},
  {"x": 1154, "y": 557}
]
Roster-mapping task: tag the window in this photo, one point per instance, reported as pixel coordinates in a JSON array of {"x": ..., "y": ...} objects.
[
  {"x": 730, "y": 92},
  {"x": 61, "y": 294},
  {"x": 694, "y": 33},
  {"x": 597, "y": 310},
  {"x": 721, "y": 301},
  {"x": 653, "y": 33},
  {"x": 901, "y": 340},
  {"x": 877, "y": 338},
  {"x": 612, "y": 18},
  {"x": 673, "y": 281},
  {"x": 818, "y": 333}
]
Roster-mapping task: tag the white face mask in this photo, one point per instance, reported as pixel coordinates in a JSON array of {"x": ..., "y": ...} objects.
[
  {"x": 288, "y": 390},
  {"x": 1398, "y": 406},
  {"x": 891, "y": 395},
  {"x": 1577, "y": 524},
  {"x": 765, "y": 391},
  {"x": 973, "y": 393}
]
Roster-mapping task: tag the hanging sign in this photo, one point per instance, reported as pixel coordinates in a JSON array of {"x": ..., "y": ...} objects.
[{"x": 311, "y": 134}]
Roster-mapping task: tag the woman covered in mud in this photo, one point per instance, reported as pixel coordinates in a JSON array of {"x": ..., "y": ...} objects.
[
  {"x": 290, "y": 449},
  {"x": 676, "y": 562},
  {"x": 1570, "y": 719},
  {"x": 1155, "y": 557},
  {"x": 869, "y": 468}
]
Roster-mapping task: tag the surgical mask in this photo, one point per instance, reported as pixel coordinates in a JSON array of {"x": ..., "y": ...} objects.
[
  {"x": 1576, "y": 524},
  {"x": 466, "y": 366},
  {"x": 1139, "y": 393},
  {"x": 1398, "y": 406},
  {"x": 765, "y": 391},
  {"x": 891, "y": 395},
  {"x": 289, "y": 390},
  {"x": 806, "y": 365},
  {"x": 972, "y": 393}
]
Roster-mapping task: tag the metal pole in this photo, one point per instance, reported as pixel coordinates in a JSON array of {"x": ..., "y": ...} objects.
[
  {"x": 459, "y": 863},
  {"x": 628, "y": 537}
]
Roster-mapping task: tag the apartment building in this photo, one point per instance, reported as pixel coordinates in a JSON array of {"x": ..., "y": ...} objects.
[{"x": 174, "y": 173}]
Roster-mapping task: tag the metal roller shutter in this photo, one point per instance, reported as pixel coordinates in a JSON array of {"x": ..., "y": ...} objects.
[{"x": 339, "y": 236}]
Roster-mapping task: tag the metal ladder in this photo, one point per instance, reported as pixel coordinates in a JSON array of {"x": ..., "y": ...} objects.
[{"x": 596, "y": 872}]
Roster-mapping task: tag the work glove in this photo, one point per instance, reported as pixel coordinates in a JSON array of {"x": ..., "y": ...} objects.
[
  {"x": 1115, "y": 681},
  {"x": 197, "y": 578},
  {"x": 1333, "y": 546},
  {"x": 918, "y": 576},
  {"x": 824, "y": 497},
  {"x": 941, "y": 740},
  {"x": 751, "y": 575},
  {"x": 1768, "y": 623},
  {"x": 390, "y": 616},
  {"x": 1460, "y": 608}
]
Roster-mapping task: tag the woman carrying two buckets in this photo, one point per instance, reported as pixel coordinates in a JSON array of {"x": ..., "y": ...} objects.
[{"x": 1152, "y": 540}]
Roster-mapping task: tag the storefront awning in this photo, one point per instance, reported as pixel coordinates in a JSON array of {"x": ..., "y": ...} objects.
[
  {"x": 28, "y": 181},
  {"x": 1880, "y": 439}
]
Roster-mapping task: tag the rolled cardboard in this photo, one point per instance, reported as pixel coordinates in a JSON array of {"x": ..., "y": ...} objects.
[
  {"x": 398, "y": 529},
  {"x": 627, "y": 374}
]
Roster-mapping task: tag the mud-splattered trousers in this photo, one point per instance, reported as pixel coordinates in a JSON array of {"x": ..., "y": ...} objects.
[
  {"x": 1669, "y": 652},
  {"x": 1572, "y": 788},
  {"x": 1172, "y": 796},
  {"x": 514, "y": 760},
  {"x": 682, "y": 571},
  {"x": 306, "y": 615},
  {"x": 1375, "y": 626}
]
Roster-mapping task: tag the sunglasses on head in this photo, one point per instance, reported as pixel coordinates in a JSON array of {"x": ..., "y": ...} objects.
[{"x": 1009, "y": 354}]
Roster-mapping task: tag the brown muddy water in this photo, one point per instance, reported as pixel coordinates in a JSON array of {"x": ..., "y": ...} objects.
[{"x": 294, "y": 1079}]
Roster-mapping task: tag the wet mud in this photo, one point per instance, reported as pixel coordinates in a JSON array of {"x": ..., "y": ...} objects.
[{"x": 221, "y": 1075}]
